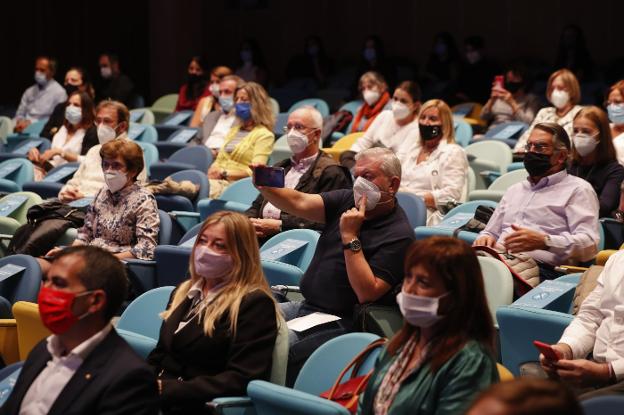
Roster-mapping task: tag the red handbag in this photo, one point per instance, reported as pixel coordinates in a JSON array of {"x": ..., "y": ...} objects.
[{"x": 347, "y": 394}]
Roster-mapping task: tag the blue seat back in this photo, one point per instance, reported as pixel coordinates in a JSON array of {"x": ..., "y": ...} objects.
[
  {"x": 603, "y": 405},
  {"x": 613, "y": 233},
  {"x": 149, "y": 134},
  {"x": 463, "y": 131},
  {"x": 241, "y": 191},
  {"x": 35, "y": 128},
  {"x": 280, "y": 273},
  {"x": 198, "y": 156},
  {"x": 301, "y": 257},
  {"x": 150, "y": 154},
  {"x": 470, "y": 207},
  {"x": 166, "y": 226},
  {"x": 172, "y": 264},
  {"x": 322, "y": 368},
  {"x": 25, "y": 171},
  {"x": 191, "y": 233},
  {"x": 317, "y": 103},
  {"x": 495, "y": 131},
  {"x": 142, "y": 314},
  {"x": 414, "y": 207},
  {"x": 280, "y": 122},
  {"x": 23, "y": 286}
]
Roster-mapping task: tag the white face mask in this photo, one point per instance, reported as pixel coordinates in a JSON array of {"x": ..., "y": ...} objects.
[
  {"x": 559, "y": 98},
  {"x": 106, "y": 72},
  {"x": 115, "y": 180},
  {"x": 297, "y": 141},
  {"x": 40, "y": 78},
  {"x": 584, "y": 143},
  {"x": 400, "y": 110},
  {"x": 214, "y": 90},
  {"x": 370, "y": 96},
  {"x": 362, "y": 187},
  {"x": 419, "y": 311},
  {"x": 105, "y": 133},
  {"x": 73, "y": 114}
]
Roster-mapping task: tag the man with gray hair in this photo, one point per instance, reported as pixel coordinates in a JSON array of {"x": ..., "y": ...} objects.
[
  {"x": 309, "y": 170},
  {"x": 359, "y": 257},
  {"x": 552, "y": 216}
]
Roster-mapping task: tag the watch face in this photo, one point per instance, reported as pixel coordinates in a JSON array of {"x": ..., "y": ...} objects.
[{"x": 355, "y": 245}]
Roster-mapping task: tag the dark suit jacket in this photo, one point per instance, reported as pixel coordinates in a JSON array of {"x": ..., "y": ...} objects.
[
  {"x": 196, "y": 368},
  {"x": 111, "y": 380},
  {"x": 324, "y": 175}
]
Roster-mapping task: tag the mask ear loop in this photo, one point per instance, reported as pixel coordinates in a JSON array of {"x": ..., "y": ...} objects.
[{"x": 86, "y": 313}]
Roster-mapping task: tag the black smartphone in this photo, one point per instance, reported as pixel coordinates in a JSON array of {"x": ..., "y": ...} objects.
[{"x": 268, "y": 176}]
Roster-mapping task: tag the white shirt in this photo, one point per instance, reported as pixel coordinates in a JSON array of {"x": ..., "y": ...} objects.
[
  {"x": 385, "y": 132},
  {"x": 599, "y": 325},
  {"x": 618, "y": 143},
  {"x": 73, "y": 145},
  {"x": 444, "y": 174},
  {"x": 58, "y": 372},
  {"x": 199, "y": 300},
  {"x": 220, "y": 130}
]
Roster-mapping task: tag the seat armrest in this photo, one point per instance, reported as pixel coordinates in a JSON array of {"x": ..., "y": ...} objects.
[
  {"x": 9, "y": 349},
  {"x": 235, "y": 405}
]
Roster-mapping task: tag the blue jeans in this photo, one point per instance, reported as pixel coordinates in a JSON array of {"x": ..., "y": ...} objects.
[{"x": 303, "y": 344}]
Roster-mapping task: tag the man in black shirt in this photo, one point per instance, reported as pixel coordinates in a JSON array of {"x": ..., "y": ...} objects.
[
  {"x": 112, "y": 84},
  {"x": 359, "y": 257}
]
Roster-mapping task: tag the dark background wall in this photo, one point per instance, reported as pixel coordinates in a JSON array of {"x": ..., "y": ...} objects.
[{"x": 155, "y": 38}]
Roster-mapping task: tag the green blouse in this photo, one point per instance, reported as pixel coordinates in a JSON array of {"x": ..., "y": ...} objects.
[{"x": 449, "y": 391}]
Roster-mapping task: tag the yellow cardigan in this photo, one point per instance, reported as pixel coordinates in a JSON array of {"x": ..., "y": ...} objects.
[{"x": 255, "y": 148}]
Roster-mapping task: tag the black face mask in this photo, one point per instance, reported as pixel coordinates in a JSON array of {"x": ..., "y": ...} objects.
[
  {"x": 537, "y": 164},
  {"x": 513, "y": 87},
  {"x": 429, "y": 132},
  {"x": 193, "y": 78},
  {"x": 70, "y": 89}
]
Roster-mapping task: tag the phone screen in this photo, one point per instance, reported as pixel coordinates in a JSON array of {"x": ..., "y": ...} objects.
[
  {"x": 269, "y": 176},
  {"x": 548, "y": 352}
]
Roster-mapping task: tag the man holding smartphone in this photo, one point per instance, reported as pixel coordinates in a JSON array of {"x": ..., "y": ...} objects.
[
  {"x": 359, "y": 257},
  {"x": 597, "y": 329}
]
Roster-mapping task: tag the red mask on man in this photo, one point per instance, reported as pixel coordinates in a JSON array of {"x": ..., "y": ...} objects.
[{"x": 55, "y": 309}]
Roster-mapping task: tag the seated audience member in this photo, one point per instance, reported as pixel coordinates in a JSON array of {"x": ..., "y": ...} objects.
[
  {"x": 249, "y": 141},
  {"x": 374, "y": 59},
  {"x": 593, "y": 158},
  {"x": 84, "y": 367},
  {"x": 194, "y": 88},
  {"x": 564, "y": 92},
  {"x": 112, "y": 120},
  {"x": 552, "y": 216},
  {"x": 573, "y": 54},
  {"x": 442, "y": 68},
  {"x": 220, "y": 327},
  {"x": 75, "y": 80},
  {"x": 313, "y": 63},
  {"x": 211, "y": 103},
  {"x": 594, "y": 331},
  {"x": 123, "y": 218},
  {"x": 526, "y": 396},
  {"x": 374, "y": 91},
  {"x": 434, "y": 167},
  {"x": 444, "y": 353},
  {"x": 113, "y": 84},
  {"x": 392, "y": 127},
  {"x": 309, "y": 170},
  {"x": 216, "y": 125},
  {"x": 39, "y": 100},
  {"x": 511, "y": 101},
  {"x": 476, "y": 72},
  {"x": 73, "y": 140},
  {"x": 615, "y": 109},
  {"x": 251, "y": 66},
  {"x": 358, "y": 257}
]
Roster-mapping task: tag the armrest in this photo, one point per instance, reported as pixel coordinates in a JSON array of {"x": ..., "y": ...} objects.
[
  {"x": 571, "y": 269},
  {"x": 603, "y": 256},
  {"x": 236, "y": 405},
  {"x": 9, "y": 349},
  {"x": 186, "y": 219},
  {"x": 481, "y": 194}
]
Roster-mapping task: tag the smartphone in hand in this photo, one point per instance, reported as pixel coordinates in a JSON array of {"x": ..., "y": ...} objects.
[
  {"x": 268, "y": 176},
  {"x": 547, "y": 350},
  {"x": 499, "y": 81}
]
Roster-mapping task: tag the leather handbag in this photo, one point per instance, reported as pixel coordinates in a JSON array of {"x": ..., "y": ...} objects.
[
  {"x": 524, "y": 269},
  {"x": 347, "y": 393}
]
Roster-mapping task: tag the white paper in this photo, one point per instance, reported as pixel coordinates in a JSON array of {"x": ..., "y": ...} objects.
[{"x": 304, "y": 323}]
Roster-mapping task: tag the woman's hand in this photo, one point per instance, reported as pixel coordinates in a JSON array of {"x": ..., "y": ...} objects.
[
  {"x": 214, "y": 173},
  {"x": 34, "y": 155},
  {"x": 48, "y": 154}
]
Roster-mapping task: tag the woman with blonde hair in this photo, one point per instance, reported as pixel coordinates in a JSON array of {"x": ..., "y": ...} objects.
[
  {"x": 434, "y": 167},
  {"x": 220, "y": 328},
  {"x": 564, "y": 93},
  {"x": 249, "y": 141}
]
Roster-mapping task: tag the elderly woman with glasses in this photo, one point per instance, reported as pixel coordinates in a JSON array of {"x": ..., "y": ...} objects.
[{"x": 309, "y": 170}]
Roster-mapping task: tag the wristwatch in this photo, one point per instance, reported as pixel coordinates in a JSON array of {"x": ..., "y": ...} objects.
[
  {"x": 354, "y": 245},
  {"x": 547, "y": 242}
]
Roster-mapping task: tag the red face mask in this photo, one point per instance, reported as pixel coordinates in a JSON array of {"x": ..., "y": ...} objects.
[{"x": 55, "y": 309}]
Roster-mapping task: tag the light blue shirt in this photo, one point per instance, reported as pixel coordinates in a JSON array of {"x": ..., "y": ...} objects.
[
  {"x": 38, "y": 102},
  {"x": 562, "y": 206}
]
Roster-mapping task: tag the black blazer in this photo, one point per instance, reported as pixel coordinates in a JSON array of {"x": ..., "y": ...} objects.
[
  {"x": 196, "y": 368},
  {"x": 112, "y": 380}
]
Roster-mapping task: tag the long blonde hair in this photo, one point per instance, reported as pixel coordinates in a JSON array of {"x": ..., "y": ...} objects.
[
  {"x": 245, "y": 277},
  {"x": 446, "y": 115},
  {"x": 261, "y": 112}
]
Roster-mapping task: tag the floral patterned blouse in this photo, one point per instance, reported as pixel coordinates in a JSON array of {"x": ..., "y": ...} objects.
[{"x": 123, "y": 221}]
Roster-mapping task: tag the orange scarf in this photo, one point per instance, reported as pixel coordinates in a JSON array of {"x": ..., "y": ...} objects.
[{"x": 369, "y": 112}]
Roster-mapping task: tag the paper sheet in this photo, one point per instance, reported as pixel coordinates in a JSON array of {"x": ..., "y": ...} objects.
[{"x": 311, "y": 320}]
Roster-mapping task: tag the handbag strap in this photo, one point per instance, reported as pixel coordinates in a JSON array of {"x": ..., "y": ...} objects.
[
  {"x": 497, "y": 255},
  {"x": 356, "y": 362}
]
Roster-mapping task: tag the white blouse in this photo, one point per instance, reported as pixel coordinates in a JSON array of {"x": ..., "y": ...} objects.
[
  {"x": 548, "y": 114},
  {"x": 618, "y": 143},
  {"x": 385, "y": 132},
  {"x": 444, "y": 174},
  {"x": 73, "y": 145}
]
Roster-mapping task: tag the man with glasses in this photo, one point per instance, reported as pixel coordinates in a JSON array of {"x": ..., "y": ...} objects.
[
  {"x": 552, "y": 216},
  {"x": 112, "y": 120},
  {"x": 309, "y": 170}
]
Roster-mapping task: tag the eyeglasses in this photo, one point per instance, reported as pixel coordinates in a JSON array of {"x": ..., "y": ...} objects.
[
  {"x": 296, "y": 127},
  {"x": 537, "y": 147},
  {"x": 112, "y": 165}
]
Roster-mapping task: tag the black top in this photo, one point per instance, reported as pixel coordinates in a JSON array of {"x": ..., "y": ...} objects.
[
  {"x": 606, "y": 180},
  {"x": 384, "y": 242},
  {"x": 120, "y": 88},
  {"x": 113, "y": 379},
  {"x": 55, "y": 122}
]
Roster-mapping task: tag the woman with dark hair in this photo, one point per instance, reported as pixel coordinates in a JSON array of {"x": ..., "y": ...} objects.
[
  {"x": 573, "y": 54},
  {"x": 373, "y": 58},
  {"x": 251, "y": 66},
  {"x": 443, "y": 355},
  {"x": 444, "y": 61},
  {"x": 594, "y": 158},
  {"x": 72, "y": 140},
  {"x": 76, "y": 79},
  {"x": 195, "y": 88}
]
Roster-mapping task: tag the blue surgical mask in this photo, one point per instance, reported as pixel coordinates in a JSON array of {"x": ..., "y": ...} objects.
[
  {"x": 246, "y": 55},
  {"x": 226, "y": 102},
  {"x": 40, "y": 78},
  {"x": 370, "y": 54},
  {"x": 73, "y": 114},
  {"x": 616, "y": 113},
  {"x": 243, "y": 111}
]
